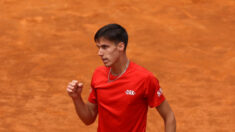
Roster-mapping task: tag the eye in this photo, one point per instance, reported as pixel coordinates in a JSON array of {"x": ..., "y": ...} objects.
[{"x": 104, "y": 46}]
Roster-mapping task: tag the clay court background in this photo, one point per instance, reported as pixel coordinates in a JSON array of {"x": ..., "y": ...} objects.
[{"x": 188, "y": 44}]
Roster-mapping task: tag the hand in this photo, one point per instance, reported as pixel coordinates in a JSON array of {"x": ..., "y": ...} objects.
[{"x": 74, "y": 89}]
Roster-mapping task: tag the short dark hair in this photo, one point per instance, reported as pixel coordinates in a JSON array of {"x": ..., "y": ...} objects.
[{"x": 112, "y": 32}]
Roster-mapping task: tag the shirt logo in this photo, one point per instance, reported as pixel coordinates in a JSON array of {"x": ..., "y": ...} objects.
[
  {"x": 159, "y": 92},
  {"x": 130, "y": 92}
]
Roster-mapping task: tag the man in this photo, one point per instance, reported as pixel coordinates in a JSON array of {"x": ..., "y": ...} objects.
[{"x": 121, "y": 91}]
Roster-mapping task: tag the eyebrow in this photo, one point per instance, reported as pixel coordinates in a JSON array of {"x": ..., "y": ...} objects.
[{"x": 102, "y": 45}]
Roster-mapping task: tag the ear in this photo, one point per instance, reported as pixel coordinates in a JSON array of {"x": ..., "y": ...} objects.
[{"x": 121, "y": 46}]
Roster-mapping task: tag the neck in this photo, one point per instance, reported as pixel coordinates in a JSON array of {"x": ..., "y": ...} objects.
[{"x": 119, "y": 66}]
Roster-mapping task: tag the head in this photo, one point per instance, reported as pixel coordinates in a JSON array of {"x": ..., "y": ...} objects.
[{"x": 111, "y": 41}]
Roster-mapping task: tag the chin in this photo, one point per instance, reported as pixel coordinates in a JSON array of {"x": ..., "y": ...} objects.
[{"x": 107, "y": 64}]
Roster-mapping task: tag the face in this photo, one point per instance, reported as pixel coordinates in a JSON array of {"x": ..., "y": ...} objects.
[{"x": 109, "y": 51}]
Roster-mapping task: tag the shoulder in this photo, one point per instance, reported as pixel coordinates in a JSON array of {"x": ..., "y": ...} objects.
[
  {"x": 101, "y": 70},
  {"x": 99, "y": 75},
  {"x": 142, "y": 72}
]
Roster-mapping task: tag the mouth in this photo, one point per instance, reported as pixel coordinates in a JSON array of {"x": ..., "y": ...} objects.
[{"x": 105, "y": 60}]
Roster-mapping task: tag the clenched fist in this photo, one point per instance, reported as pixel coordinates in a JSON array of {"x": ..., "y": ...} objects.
[{"x": 74, "y": 89}]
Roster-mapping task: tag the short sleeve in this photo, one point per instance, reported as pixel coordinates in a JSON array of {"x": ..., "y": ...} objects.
[
  {"x": 93, "y": 96},
  {"x": 153, "y": 92}
]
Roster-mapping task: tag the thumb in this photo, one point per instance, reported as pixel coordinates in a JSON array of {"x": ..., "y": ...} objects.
[{"x": 80, "y": 85}]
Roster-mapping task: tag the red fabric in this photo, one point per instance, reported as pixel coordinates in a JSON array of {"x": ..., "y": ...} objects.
[{"x": 123, "y": 103}]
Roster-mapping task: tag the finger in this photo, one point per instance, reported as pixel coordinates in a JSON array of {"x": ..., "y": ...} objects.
[
  {"x": 70, "y": 87},
  {"x": 74, "y": 81},
  {"x": 80, "y": 84},
  {"x": 71, "y": 84},
  {"x": 69, "y": 90}
]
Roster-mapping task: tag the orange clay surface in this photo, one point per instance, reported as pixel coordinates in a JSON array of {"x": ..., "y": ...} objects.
[{"x": 188, "y": 44}]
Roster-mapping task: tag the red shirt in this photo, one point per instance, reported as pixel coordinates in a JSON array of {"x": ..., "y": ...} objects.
[{"x": 123, "y": 103}]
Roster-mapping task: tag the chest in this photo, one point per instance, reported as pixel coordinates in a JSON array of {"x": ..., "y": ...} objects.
[{"x": 121, "y": 94}]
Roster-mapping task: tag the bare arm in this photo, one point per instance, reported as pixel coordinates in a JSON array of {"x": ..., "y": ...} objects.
[
  {"x": 168, "y": 116},
  {"x": 87, "y": 112}
]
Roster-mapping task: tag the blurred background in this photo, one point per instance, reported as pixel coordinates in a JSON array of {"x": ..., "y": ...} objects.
[{"x": 188, "y": 44}]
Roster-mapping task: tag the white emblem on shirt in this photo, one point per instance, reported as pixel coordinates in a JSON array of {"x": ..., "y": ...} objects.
[
  {"x": 130, "y": 92},
  {"x": 159, "y": 92}
]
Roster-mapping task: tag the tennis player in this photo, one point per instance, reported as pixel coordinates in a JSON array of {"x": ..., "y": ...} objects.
[{"x": 121, "y": 91}]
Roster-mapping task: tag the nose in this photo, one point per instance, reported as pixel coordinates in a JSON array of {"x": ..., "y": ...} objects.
[{"x": 100, "y": 52}]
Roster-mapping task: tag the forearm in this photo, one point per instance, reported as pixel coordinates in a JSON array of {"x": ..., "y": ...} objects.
[
  {"x": 83, "y": 111},
  {"x": 170, "y": 123}
]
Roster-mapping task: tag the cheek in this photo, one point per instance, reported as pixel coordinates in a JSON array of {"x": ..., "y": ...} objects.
[
  {"x": 115, "y": 55},
  {"x": 112, "y": 53}
]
